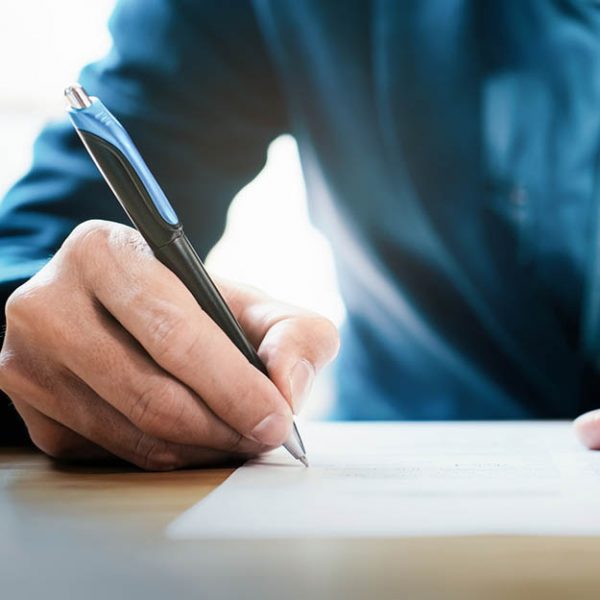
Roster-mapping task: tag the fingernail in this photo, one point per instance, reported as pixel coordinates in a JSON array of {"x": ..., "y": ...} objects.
[
  {"x": 273, "y": 430},
  {"x": 301, "y": 380}
]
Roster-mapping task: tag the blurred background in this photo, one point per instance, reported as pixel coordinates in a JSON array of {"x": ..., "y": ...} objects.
[{"x": 268, "y": 241}]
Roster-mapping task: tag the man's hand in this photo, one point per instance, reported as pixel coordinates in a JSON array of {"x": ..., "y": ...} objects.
[{"x": 107, "y": 353}]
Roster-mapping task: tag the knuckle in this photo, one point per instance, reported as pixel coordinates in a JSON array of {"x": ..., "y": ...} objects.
[
  {"x": 171, "y": 339},
  {"x": 14, "y": 305},
  {"x": 53, "y": 441},
  {"x": 165, "y": 327},
  {"x": 87, "y": 235},
  {"x": 323, "y": 327},
  {"x": 8, "y": 365},
  {"x": 131, "y": 239},
  {"x": 26, "y": 303},
  {"x": 36, "y": 314},
  {"x": 310, "y": 336},
  {"x": 324, "y": 336},
  {"x": 156, "y": 409},
  {"x": 156, "y": 455},
  {"x": 91, "y": 242},
  {"x": 23, "y": 373}
]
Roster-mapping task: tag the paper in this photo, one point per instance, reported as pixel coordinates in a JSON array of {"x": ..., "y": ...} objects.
[{"x": 410, "y": 479}]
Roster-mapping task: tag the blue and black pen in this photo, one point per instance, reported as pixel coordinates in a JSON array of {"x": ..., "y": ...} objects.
[{"x": 139, "y": 194}]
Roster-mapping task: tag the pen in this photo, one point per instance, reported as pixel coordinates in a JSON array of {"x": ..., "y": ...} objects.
[{"x": 141, "y": 197}]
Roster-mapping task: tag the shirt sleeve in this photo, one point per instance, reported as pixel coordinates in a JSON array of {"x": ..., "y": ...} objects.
[{"x": 193, "y": 84}]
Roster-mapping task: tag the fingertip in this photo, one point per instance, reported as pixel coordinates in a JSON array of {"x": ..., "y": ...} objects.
[
  {"x": 273, "y": 430},
  {"x": 294, "y": 350},
  {"x": 587, "y": 429},
  {"x": 321, "y": 341}
]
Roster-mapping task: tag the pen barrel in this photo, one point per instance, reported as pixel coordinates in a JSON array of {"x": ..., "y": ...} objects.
[
  {"x": 137, "y": 190},
  {"x": 180, "y": 257}
]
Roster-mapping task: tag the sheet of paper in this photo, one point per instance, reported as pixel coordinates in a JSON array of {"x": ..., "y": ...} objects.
[{"x": 410, "y": 479}]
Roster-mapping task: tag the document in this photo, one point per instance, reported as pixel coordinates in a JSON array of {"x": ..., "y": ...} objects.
[{"x": 409, "y": 479}]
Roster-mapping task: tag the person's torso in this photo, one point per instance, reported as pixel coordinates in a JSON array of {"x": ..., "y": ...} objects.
[{"x": 450, "y": 153}]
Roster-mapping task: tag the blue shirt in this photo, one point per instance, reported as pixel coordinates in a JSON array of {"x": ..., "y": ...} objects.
[{"x": 450, "y": 150}]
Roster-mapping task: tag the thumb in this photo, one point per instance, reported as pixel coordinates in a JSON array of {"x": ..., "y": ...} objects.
[
  {"x": 294, "y": 350},
  {"x": 294, "y": 344}
]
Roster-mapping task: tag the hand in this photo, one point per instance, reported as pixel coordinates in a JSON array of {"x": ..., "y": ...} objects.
[
  {"x": 107, "y": 353},
  {"x": 587, "y": 429}
]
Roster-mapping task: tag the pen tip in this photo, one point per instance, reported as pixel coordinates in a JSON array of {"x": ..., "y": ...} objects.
[{"x": 304, "y": 461}]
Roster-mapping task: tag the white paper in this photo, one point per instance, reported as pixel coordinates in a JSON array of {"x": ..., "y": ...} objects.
[{"x": 409, "y": 479}]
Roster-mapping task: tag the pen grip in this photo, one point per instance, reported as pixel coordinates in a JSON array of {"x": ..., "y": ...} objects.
[
  {"x": 131, "y": 192},
  {"x": 181, "y": 258}
]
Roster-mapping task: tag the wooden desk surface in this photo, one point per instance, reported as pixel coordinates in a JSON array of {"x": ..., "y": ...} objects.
[{"x": 72, "y": 532}]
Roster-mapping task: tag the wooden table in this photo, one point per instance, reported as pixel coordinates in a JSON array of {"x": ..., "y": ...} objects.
[{"x": 74, "y": 532}]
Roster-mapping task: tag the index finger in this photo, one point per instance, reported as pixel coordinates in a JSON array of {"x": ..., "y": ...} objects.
[{"x": 158, "y": 310}]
